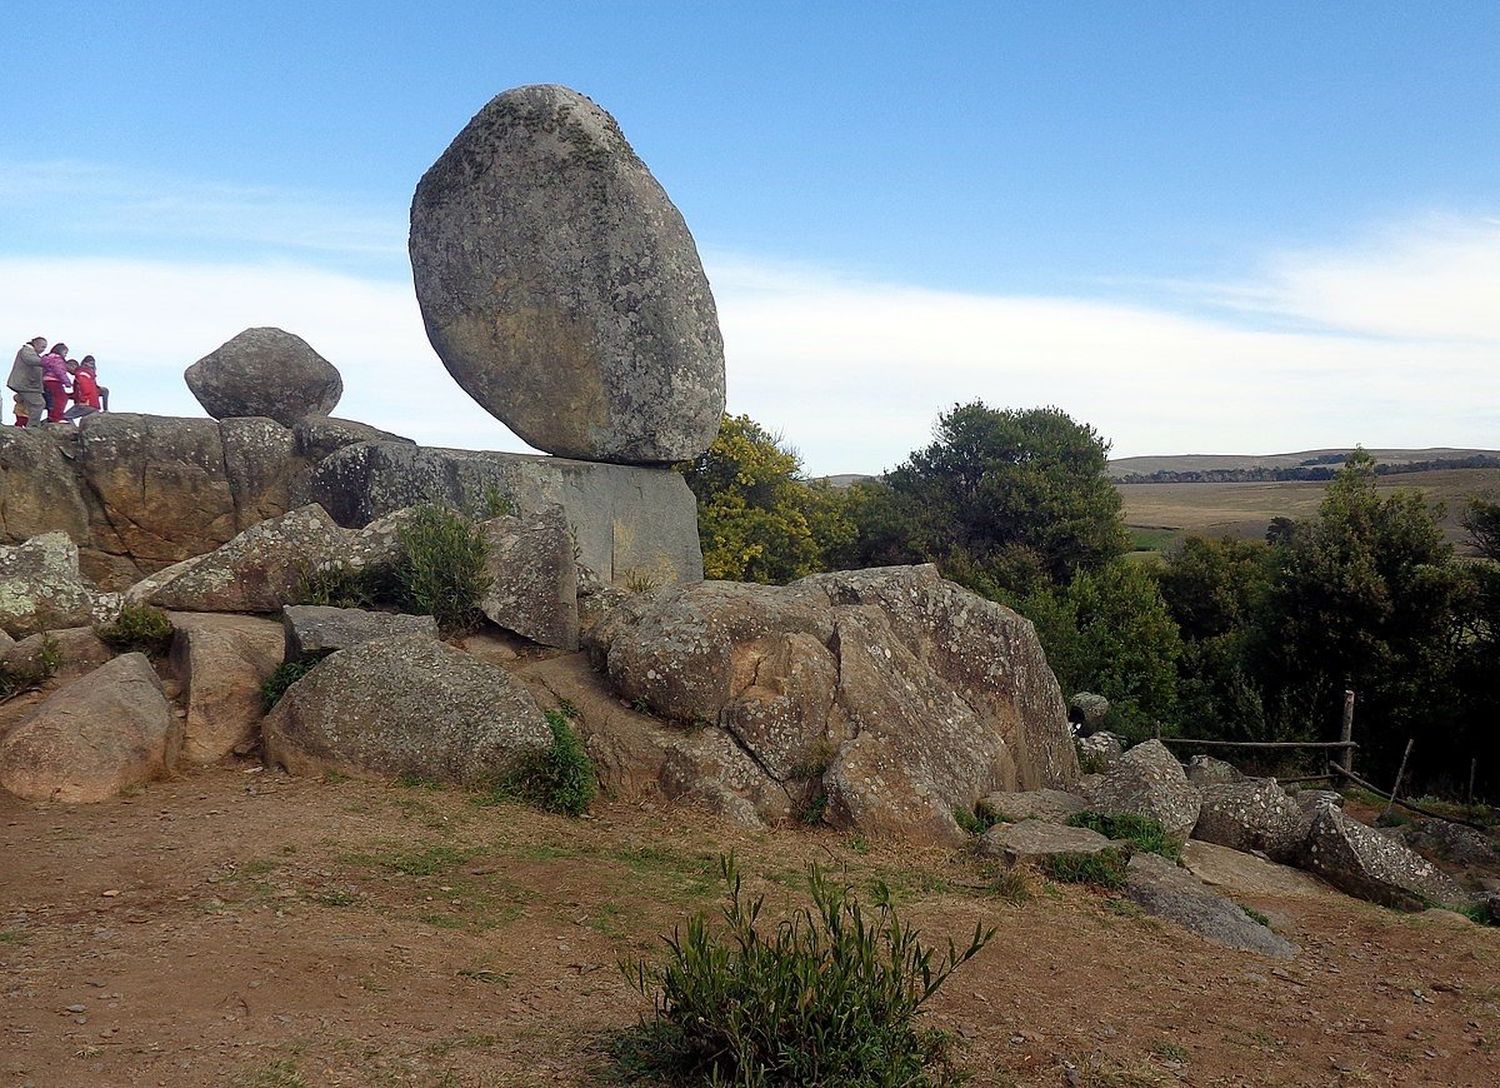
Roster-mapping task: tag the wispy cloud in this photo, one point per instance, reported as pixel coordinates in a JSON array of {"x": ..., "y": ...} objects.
[{"x": 1392, "y": 342}]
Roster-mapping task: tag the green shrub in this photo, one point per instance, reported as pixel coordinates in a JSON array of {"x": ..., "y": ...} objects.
[
  {"x": 1256, "y": 916},
  {"x": 284, "y": 677},
  {"x": 16, "y": 681},
  {"x": 975, "y": 821},
  {"x": 1106, "y": 869},
  {"x": 343, "y": 586},
  {"x": 560, "y": 779},
  {"x": 441, "y": 572},
  {"x": 138, "y": 628},
  {"x": 1142, "y": 832},
  {"x": 831, "y": 996}
]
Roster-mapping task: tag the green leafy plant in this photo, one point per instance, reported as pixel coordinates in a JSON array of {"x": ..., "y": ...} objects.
[
  {"x": 138, "y": 628},
  {"x": 975, "y": 821},
  {"x": 559, "y": 779},
  {"x": 344, "y": 586},
  {"x": 442, "y": 570},
  {"x": 1106, "y": 869},
  {"x": 1142, "y": 832},
  {"x": 1256, "y": 916},
  {"x": 284, "y": 677},
  {"x": 642, "y": 581},
  {"x": 815, "y": 809},
  {"x": 830, "y": 996}
]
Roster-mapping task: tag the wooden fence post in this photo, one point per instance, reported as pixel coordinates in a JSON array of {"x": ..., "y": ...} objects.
[
  {"x": 1400, "y": 774},
  {"x": 1473, "y": 768},
  {"x": 1346, "y": 733}
]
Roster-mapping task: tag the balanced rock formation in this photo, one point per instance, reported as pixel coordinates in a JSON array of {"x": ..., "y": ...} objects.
[
  {"x": 899, "y": 695},
  {"x": 42, "y": 588},
  {"x": 561, "y": 288},
  {"x": 265, "y": 372},
  {"x": 406, "y": 705},
  {"x": 94, "y": 737}
]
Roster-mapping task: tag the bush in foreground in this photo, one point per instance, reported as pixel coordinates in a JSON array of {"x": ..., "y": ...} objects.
[
  {"x": 562, "y": 778},
  {"x": 830, "y": 996},
  {"x": 441, "y": 572}
]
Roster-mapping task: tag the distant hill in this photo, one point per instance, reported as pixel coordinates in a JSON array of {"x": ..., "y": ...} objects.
[
  {"x": 845, "y": 479},
  {"x": 1201, "y": 462}
]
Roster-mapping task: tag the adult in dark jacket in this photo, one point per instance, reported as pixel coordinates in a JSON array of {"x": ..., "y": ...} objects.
[{"x": 26, "y": 379}]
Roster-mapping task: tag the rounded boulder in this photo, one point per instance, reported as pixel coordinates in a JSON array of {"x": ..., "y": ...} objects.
[
  {"x": 265, "y": 372},
  {"x": 561, "y": 288}
]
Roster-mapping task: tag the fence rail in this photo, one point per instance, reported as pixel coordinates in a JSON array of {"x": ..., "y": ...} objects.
[{"x": 1346, "y": 744}]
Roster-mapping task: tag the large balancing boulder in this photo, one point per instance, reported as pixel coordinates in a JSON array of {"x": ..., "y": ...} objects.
[
  {"x": 265, "y": 372},
  {"x": 561, "y": 288},
  {"x": 94, "y": 737},
  {"x": 405, "y": 705}
]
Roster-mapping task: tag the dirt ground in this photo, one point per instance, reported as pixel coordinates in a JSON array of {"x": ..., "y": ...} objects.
[{"x": 238, "y": 927}]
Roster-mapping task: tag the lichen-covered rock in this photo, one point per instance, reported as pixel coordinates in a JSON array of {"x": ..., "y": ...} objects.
[
  {"x": 561, "y": 288},
  {"x": 533, "y": 578},
  {"x": 1164, "y": 890},
  {"x": 1053, "y": 806},
  {"x": 1362, "y": 862},
  {"x": 1034, "y": 840},
  {"x": 630, "y": 523},
  {"x": 110, "y": 729},
  {"x": 257, "y": 571},
  {"x": 260, "y": 462},
  {"x": 41, "y": 588},
  {"x": 1310, "y": 801},
  {"x": 1252, "y": 814},
  {"x": 75, "y": 650},
  {"x": 1207, "y": 771},
  {"x": 1100, "y": 751},
  {"x": 1088, "y": 710},
  {"x": 1149, "y": 780},
  {"x": 900, "y": 694},
  {"x": 1450, "y": 841},
  {"x": 265, "y": 372},
  {"x": 317, "y": 437},
  {"x": 221, "y": 661},
  {"x": 406, "y": 705},
  {"x": 311, "y": 631}
]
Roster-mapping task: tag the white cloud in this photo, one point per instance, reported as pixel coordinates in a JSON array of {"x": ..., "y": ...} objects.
[{"x": 1392, "y": 343}]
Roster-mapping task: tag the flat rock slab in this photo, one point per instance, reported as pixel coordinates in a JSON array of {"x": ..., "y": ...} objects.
[
  {"x": 1245, "y": 874},
  {"x": 1032, "y": 840},
  {"x": 1052, "y": 806},
  {"x": 1165, "y": 890},
  {"x": 312, "y": 631},
  {"x": 629, "y": 522}
]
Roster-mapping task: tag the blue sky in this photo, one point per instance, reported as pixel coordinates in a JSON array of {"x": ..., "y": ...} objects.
[{"x": 1204, "y": 227}]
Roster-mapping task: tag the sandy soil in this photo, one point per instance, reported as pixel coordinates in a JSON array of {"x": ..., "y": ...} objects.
[{"x": 238, "y": 927}]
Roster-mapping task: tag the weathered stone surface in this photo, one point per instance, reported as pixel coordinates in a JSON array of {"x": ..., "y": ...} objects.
[
  {"x": 1450, "y": 842},
  {"x": 1245, "y": 874},
  {"x": 41, "y": 588},
  {"x": 257, "y": 571},
  {"x": 628, "y": 522},
  {"x": 1149, "y": 780},
  {"x": 260, "y": 463},
  {"x": 407, "y": 705},
  {"x": 6, "y": 642},
  {"x": 1309, "y": 801},
  {"x": 1053, "y": 806},
  {"x": 40, "y": 490},
  {"x": 1033, "y": 840},
  {"x": 561, "y": 288},
  {"x": 110, "y": 729},
  {"x": 1164, "y": 890},
  {"x": 902, "y": 694},
  {"x": 316, "y": 437},
  {"x": 1100, "y": 750},
  {"x": 78, "y": 651},
  {"x": 310, "y": 631},
  {"x": 1088, "y": 710},
  {"x": 534, "y": 578},
  {"x": 1252, "y": 814},
  {"x": 221, "y": 661},
  {"x": 1364, "y": 863},
  {"x": 1207, "y": 771},
  {"x": 265, "y": 372}
]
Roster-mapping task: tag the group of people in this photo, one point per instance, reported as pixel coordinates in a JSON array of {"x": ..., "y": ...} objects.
[{"x": 44, "y": 381}]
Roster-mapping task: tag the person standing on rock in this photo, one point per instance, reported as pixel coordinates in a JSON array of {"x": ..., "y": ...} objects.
[
  {"x": 26, "y": 379},
  {"x": 55, "y": 382}
]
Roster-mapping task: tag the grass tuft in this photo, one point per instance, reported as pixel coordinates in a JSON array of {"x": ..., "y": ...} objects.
[
  {"x": 830, "y": 996},
  {"x": 138, "y": 628},
  {"x": 559, "y": 779},
  {"x": 1142, "y": 832},
  {"x": 1106, "y": 869}
]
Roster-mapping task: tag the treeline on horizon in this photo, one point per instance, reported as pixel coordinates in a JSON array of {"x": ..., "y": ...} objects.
[
  {"x": 1220, "y": 639},
  {"x": 1317, "y": 469}
]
